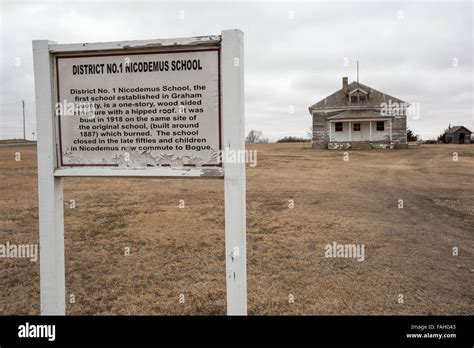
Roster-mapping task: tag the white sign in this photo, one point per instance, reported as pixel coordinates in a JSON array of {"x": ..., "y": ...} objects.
[{"x": 139, "y": 109}]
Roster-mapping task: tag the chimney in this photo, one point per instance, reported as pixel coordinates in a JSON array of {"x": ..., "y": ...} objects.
[{"x": 344, "y": 84}]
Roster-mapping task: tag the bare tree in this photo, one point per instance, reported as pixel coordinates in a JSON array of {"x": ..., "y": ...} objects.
[{"x": 254, "y": 136}]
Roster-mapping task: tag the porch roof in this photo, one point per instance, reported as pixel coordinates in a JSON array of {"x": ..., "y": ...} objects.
[{"x": 359, "y": 115}]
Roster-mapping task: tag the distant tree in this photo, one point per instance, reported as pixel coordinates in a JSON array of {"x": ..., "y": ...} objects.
[
  {"x": 412, "y": 136},
  {"x": 253, "y": 137},
  {"x": 291, "y": 139},
  {"x": 442, "y": 137}
]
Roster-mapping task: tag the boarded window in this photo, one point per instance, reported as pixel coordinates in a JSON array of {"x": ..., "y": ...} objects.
[
  {"x": 380, "y": 125},
  {"x": 339, "y": 127},
  {"x": 353, "y": 99}
]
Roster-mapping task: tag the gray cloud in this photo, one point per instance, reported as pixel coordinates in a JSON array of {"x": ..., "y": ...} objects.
[{"x": 294, "y": 52}]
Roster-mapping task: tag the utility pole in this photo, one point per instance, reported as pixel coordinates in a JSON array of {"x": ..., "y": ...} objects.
[{"x": 24, "y": 130}]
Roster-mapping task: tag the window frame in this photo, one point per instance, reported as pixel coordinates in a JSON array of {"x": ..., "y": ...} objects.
[
  {"x": 359, "y": 127},
  {"x": 358, "y": 97},
  {"x": 336, "y": 124},
  {"x": 377, "y": 126}
]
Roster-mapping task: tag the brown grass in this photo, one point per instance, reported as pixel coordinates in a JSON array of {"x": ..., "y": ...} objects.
[{"x": 181, "y": 251}]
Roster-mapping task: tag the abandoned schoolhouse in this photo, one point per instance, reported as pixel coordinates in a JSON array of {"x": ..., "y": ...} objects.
[{"x": 358, "y": 116}]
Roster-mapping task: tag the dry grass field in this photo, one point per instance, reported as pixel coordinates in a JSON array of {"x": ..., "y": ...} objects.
[{"x": 177, "y": 251}]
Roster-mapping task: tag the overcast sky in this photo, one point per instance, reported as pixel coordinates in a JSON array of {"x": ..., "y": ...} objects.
[{"x": 295, "y": 53}]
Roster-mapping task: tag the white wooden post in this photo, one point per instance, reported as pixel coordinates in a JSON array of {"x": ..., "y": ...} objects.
[
  {"x": 50, "y": 188},
  {"x": 350, "y": 131},
  {"x": 232, "y": 68},
  {"x": 370, "y": 130}
]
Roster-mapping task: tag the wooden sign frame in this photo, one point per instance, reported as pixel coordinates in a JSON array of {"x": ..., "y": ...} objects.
[{"x": 50, "y": 176}]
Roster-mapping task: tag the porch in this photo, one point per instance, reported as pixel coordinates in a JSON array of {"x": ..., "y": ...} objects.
[{"x": 372, "y": 130}]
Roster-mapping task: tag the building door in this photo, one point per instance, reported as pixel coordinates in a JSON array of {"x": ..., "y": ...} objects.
[{"x": 461, "y": 138}]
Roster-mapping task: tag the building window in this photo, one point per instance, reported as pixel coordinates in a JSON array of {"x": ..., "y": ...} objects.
[
  {"x": 356, "y": 127},
  {"x": 380, "y": 125},
  {"x": 358, "y": 97},
  {"x": 339, "y": 127}
]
